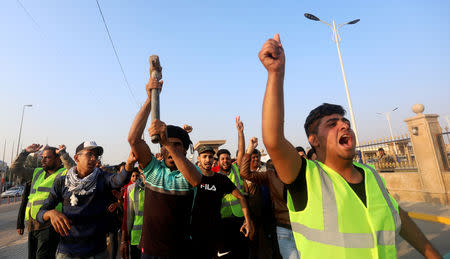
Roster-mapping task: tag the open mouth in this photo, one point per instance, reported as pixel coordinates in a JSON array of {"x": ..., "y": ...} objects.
[{"x": 346, "y": 141}]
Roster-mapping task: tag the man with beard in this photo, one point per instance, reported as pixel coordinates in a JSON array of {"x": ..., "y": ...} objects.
[
  {"x": 169, "y": 185},
  {"x": 231, "y": 211},
  {"x": 251, "y": 170},
  {"x": 83, "y": 192},
  {"x": 205, "y": 221},
  {"x": 338, "y": 208},
  {"x": 42, "y": 238}
]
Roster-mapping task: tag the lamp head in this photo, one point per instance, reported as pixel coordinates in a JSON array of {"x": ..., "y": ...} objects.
[
  {"x": 354, "y": 21},
  {"x": 311, "y": 17}
]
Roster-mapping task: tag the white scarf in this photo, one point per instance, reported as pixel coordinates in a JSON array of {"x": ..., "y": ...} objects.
[{"x": 80, "y": 186}]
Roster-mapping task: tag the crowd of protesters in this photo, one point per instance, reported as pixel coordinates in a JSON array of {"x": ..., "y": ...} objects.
[{"x": 315, "y": 204}]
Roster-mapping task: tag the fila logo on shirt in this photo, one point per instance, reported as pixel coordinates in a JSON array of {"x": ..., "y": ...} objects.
[{"x": 208, "y": 187}]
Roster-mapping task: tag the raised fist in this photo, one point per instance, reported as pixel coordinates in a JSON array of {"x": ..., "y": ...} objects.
[
  {"x": 131, "y": 161},
  {"x": 153, "y": 84},
  {"x": 33, "y": 148},
  {"x": 272, "y": 55},
  {"x": 187, "y": 128},
  {"x": 61, "y": 148},
  {"x": 253, "y": 143},
  {"x": 159, "y": 128}
]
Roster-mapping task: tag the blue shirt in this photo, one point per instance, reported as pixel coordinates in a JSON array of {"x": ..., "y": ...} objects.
[{"x": 90, "y": 223}]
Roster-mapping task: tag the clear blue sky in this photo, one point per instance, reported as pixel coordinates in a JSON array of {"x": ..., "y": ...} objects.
[{"x": 398, "y": 55}]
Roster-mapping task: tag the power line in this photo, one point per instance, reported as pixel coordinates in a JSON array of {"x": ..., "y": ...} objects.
[
  {"x": 115, "y": 52},
  {"x": 29, "y": 15},
  {"x": 47, "y": 39}
]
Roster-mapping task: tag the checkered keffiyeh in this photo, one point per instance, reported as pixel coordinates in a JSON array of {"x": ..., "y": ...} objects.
[{"x": 80, "y": 186}]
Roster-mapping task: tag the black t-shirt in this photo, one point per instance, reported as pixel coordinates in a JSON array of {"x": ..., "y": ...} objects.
[
  {"x": 298, "y": 188},
  {"x": 208, "y": 201}
]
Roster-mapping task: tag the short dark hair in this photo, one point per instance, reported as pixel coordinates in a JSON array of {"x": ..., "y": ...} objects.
[
  {"x": 51, "y": 149},
  {"x": 223, "y": 151},
  {"x": 179, "y": 133},
  {"x": 311, "y": 123},
  {"x": 311, "y": 152},
  {"x": 381, "y": 149},
  {"x": 256, "y": 152},
  {"x": 300, "y": 149}
]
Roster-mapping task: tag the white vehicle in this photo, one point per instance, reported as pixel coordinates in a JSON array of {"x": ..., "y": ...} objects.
[{"x": 13, "y": 191}]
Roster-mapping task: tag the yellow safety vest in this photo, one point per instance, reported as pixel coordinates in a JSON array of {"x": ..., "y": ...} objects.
[
  {"x": 40, "y": 190},
  {"x": 230, "y": 204},
  {"x": 335, "y": 222},
  {"x": 137, "y": 196}
]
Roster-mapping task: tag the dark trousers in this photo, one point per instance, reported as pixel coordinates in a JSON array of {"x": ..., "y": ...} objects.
[
  {"x": 233, "y": 244},
  {"x": 135, "y": 252},
  {"x": 42, "y": 243},
  {"x": 113, "y": 243},
  {"x": 204, "y": 243}
]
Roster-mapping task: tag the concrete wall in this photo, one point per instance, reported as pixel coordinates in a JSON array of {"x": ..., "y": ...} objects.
[
  {"x": 408, "y": 187},
  {"x": 446, "y": 177},
  {"x": 404, "y": 186}
]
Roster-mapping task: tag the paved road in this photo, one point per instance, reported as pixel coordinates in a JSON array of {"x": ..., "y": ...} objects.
[
  {"x": 11, "y": 244},
  {"x": 14, "y": 246}
]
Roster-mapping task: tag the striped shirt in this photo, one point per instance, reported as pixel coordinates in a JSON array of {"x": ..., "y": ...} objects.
[{"x": 167, "y": 209}]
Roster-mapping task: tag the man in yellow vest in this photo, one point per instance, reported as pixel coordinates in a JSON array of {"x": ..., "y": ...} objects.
[
  {"x": 234, "y": 243},
  {"x": 135, "y": 196},
  {"x": 338, "y": 208},
  {"x": 42, "y": 238}
]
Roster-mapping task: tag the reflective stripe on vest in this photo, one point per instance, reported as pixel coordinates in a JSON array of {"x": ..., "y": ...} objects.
[
  {"x": 238, "y": 182},
  {"x": 36, "y": 176},
  {"x": 137, "y": 227},
  {"x": 230, "y": 204},
  {"x": 136, "y": 230},
  {"x": 32, "y": 191},
  {"x": 331, "y": 235},
  {"x": 41, "y": 193},
  {"x": 336, "y": 223}
]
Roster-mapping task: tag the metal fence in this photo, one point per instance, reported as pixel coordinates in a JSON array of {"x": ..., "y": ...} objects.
[
  {"x": 444, "y": 148},
  {"x": 398, "y": 154}
]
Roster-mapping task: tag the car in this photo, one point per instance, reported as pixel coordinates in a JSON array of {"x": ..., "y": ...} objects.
[{"x": 13, "y": 191}]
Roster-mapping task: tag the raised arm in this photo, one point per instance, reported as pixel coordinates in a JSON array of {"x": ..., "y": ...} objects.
[
  {"x": 138, "y": 146},
  {"x": 65, "y": 157},
  {"x": 18, "y": 168},
  {"x": 285, "y": 158},
  {"x": 114, "y": 180},
  {"x": 186, "y": 168},
  {"x": 241, "y": 140},
  {"x": 246, "y": 173}
]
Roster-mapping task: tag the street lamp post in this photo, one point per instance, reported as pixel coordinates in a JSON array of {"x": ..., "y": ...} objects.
[
  {"x": 20, "y": 130},
  {"x": 388, "y": 118},
  {"x": 337, "y": 39}
]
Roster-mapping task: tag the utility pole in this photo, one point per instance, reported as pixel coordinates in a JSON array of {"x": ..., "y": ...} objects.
[{"x": 12, "y": 157}]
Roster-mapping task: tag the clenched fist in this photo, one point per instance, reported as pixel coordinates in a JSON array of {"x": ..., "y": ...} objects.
[
  {"x": 153, "y": 84},
  {"x": 272, "y": 55},
  {"x": 159, "y": 128}
]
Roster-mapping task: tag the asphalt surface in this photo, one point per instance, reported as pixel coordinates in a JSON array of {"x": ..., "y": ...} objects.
[{"x": 14, "y": 246}]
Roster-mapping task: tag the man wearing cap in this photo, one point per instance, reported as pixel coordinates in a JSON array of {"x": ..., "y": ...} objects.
[
  {"x": 42, "y": 238},
  {"x": 169, "y": 185},
  {"x": 206, "y": 216},
  {"x": 83, "y": 191}
]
